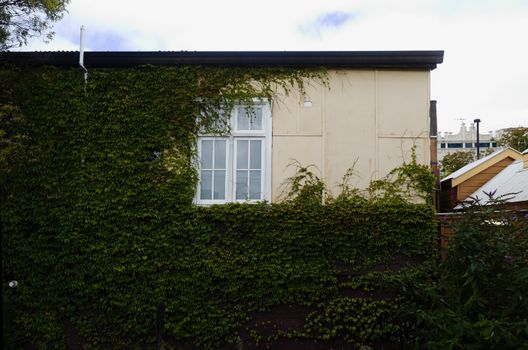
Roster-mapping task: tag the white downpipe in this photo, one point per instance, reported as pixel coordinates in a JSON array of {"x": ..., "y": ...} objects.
[{"x": 81, "y": 55}]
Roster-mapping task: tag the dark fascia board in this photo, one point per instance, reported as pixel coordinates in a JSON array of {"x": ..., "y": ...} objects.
[{"x": 331, "y": 59}]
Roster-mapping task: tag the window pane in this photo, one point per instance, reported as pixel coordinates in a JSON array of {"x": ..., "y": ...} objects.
[
  {"x": 207, "y": 154},
  {"x": 254, "y": 184},
  {"x": 219, "y": 184},
  {"x": 242, "y": 154},
  {"x": 241, "y": 184},
  {"x": 242, "y": 119},
  {"x": 206, "y": 184},
  {"x": 256, "y": 154},
  {"x": 220, "y": 154},
  {"x": 256, "y": 119}
]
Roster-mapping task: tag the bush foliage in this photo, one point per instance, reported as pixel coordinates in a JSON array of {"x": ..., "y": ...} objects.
[
  {"x": 476, "y": 297},
  {"x": 99, "y": 230},
  {"x": 454, "y": 161}
]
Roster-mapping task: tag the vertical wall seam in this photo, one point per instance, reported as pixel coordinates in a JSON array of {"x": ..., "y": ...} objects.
[
  {"x": 427, "y": 155},
  {"x": 376, "y": 127},
  {"x": 323, "y": 141},
  {"x": 299, "y": 108}
]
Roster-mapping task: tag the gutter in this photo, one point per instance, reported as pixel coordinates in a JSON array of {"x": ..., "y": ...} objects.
[{"x": 406, "y": 60}]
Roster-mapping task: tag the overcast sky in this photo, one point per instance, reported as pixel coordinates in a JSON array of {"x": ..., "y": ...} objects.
[{"x": 485, "y": 69}]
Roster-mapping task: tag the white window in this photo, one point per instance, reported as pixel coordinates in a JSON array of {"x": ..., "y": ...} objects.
[{"x": 237, "y": 167}]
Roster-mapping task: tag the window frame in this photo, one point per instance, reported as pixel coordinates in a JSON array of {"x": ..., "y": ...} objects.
[{"x": 265, "y": 134}]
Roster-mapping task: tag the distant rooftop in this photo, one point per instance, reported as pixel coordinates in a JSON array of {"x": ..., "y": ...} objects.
[
  {"x": 511, "y": 184},
  {"x": 427, "y": 60},
  {"x": 472, "y": 165},
  {"x": 499, "y": 154}
]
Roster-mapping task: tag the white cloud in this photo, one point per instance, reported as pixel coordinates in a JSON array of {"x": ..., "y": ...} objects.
[{"x": 484, "y": 74}]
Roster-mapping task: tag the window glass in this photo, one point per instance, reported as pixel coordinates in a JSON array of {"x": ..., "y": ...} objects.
[
  {"x": 255, "y": 154},
  {"x": 213, "y": 169},
  {"x": 206, "y": 184},
  {"x": 219, "y": 184},
  {"x": 242, "y": 154},
  {"x": 217, "y": 125},
  {"x": 207, "y": 154},
  {"x": 254, "y": 184},
  {"x": 256, "y": 119},
  {"x": 249, "y": 173},
  {"x": 242, "y": 184},
  {"x": 242, "y": 119},
  {"x": 220, "y": 154},
  {"x": 249, "y": 119},
  {"x": 469, "y": 145}
]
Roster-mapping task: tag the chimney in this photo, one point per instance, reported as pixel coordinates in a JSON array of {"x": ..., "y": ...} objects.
[
  {"x": 433, "y": 137},
  {"x": 432, "y": 119},
  {"x": 525, "y": 159},
  {"x": 463, "y": 129}
]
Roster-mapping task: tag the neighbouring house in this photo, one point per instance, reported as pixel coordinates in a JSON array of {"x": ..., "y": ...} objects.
[
  {"x": 376, "y": 108},
  {"x": 510, "y": 185},
  {"x": 461, "y": 184},
  {"x": 466, "y": 140}
]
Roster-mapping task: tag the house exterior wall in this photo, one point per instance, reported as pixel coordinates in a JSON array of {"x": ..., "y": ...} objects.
[
  {"x": 466, "y": 188},
  {"x": 448, "y": 199},
  {"x": 371, "y": 117}
]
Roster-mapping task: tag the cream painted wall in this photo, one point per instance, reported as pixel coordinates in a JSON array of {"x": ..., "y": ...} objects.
[{"x": 371, "y": 117}]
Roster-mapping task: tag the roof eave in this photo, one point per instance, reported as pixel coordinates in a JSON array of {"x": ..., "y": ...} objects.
[
  {"x": 497, "y": 157},
  {"x": 427, "y": 60}
]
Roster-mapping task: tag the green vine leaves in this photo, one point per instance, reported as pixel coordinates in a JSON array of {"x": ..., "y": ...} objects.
[{"x": 408, "y": 182}]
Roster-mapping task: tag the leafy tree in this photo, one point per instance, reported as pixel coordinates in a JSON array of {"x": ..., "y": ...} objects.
[
  {"x": 516, "y": 138},
  {"x": 24, "y": 19},
  {"x": 456, "y": 160}
]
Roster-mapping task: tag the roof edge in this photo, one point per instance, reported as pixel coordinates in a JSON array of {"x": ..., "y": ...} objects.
[
  {"x": 333, "y": 59},
  {"x": 503, "y": 154}
]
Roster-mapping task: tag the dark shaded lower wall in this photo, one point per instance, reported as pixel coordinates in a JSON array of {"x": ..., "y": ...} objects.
[{"x": 235, "y": 276}]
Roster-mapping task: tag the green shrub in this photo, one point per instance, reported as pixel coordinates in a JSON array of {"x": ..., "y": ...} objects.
[{"x": 476, "y": 297}]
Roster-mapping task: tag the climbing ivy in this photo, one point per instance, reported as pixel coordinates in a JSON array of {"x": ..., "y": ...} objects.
[
  {"x": 99, "y": 229},
  {"x": 408, "y": 182}
]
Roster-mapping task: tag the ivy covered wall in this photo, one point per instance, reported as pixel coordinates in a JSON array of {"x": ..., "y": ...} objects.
[{"x": 98, "y": 227}]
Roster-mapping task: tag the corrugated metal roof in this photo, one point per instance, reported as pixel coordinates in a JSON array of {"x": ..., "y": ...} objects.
[{"x": 511, "y": 184}]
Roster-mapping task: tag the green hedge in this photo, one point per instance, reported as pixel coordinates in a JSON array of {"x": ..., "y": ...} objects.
[
  {"x": 476, "y": 297},
  {"x": 211, "y": 267}
]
